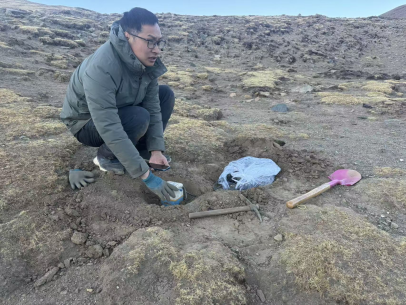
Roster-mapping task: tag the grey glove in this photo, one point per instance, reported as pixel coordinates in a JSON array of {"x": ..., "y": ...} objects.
[
  {"x": 79, "y": 178},
  {"x": 160, "y": 187}
]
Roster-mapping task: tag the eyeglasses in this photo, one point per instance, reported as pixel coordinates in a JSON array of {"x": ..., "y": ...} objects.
[{"x": 151, "y": 44}]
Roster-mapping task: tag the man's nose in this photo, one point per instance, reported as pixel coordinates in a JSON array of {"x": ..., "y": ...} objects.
[{"x": 156, "y": 49}]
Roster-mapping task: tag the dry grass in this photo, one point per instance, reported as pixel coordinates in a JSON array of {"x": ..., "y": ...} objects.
[
  {"x": 32, "y": 165},
  {"x": 388, "y": 191},
  {"x": 350, "y": 85},
  {"x": 182, "y": 77},
  {"x": 266, "y": 79},
  {"x": 61, "y": 64},
  {"x": 19, "y": 72},
  {"x": 73, "y": 23},
  {"x": 36, "y": 31},
  {"x": 374, "y": 86},
  {"x": 59, "y": 42},
  {"x": 26, "y": 234},
  {"x": 4, "y": 45},
  {"x": 340, "y": 255},
  {"x": 348, "y": 99},
  {"x": 192, "y": 139},
  {"x": 195, "y": 111},
  {"x": 21, "y": 120},
  {"x": 7, "y": 96},
  {"x": 389, "y": 171},
  {"x": 62, "y": 33}
]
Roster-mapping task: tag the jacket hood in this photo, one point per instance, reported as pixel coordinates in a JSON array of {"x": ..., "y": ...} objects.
[{"x": 123, "y": 48}]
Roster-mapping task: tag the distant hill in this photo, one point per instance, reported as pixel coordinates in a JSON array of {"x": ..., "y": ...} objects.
[{"x": 399, "y": 12}]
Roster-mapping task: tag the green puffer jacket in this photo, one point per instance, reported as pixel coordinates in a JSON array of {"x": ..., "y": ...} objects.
[{"x": 109, "y": 79}]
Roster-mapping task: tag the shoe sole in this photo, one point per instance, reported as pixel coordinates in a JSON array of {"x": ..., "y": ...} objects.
[{"x": 95, "y": 161}]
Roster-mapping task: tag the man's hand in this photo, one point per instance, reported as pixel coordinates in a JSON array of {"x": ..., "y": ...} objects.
[
  {"x": 160, "y": 187},
  {"x": 158, "y": 158}
]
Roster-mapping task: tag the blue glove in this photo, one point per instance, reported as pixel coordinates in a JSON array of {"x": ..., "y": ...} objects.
[{"x": 161, "y": 188}]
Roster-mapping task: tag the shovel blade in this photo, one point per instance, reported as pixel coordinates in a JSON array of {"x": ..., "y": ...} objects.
[{"x": 345, "y": 177}]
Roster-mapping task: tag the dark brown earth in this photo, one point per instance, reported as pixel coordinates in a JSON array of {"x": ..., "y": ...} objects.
[{"x": 344, "y": 82}]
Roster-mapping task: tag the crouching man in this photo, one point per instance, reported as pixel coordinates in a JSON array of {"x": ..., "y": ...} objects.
[{"x": 114, "y": 101}]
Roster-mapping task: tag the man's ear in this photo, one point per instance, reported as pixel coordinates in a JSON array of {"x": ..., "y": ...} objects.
[{"x": 127, "y": 35}]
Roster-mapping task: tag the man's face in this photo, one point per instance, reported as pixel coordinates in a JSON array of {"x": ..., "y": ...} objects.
[{"x": 140, "y": 47}]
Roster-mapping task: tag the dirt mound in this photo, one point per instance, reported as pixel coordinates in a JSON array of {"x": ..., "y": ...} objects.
[
  {"x": 165, "y": 273},
  {"x": 398, "y": 12}
]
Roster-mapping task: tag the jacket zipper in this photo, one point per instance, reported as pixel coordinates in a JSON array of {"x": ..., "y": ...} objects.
[{"x": 138, "y": 91}]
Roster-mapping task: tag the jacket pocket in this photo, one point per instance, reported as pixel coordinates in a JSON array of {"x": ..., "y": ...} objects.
[{"x": 82, "y": 106}]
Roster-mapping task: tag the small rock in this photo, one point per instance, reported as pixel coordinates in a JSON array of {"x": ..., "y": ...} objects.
[
  {"x": 261, "y": 295},
  {"x": 89, "y": 290},
  {"x": 64, "y": 292},
  {"x": 280, "y": 108},
  {"x": 82, "y": 260},
  {"x": 247, "y": 96},
  {"x": 79, "y": 238},
  {"x": 264, "y": 94},
  {"x": 111, "y": 244},
  {"x": 71, "y": 212},
  {"x": 47, "y": 277},
  {"x": 303, "y": 89},
  {"x": 95, "y": 251},
  {"x": 66, "y": 262},
  {"x": 278, "y": 237},
  {"x": 61, "y": 265},
  {"x": 73, "y": 226},
  {"x": 106, "y": 252},
  {"x": 394, "y": 225},
  {"x": 90, "y": 243},
  {"x": 233, "y": 94},
  {"x": 367, "y": 106}
]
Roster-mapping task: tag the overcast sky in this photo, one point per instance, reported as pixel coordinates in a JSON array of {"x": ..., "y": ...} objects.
[{"x": 330, "y": 8}]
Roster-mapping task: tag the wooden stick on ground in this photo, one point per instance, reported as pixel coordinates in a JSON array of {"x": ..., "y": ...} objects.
[{"x": 221, "y": 212}]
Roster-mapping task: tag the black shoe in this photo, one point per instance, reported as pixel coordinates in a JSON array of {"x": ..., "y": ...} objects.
[
  {"x": 146, "y": 155},
  {"x": 107, "y": 165}
]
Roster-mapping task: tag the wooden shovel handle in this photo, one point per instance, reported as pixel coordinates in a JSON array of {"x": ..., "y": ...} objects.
[
  {"x": 221, "y": 212},
  {"x": 313, "y": 193}
]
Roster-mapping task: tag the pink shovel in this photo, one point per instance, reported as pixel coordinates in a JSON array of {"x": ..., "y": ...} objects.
[{"x": 341, "y": 177}]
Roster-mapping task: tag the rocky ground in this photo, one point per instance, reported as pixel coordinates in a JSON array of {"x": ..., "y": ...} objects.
[{"x": 341, "y": 86}]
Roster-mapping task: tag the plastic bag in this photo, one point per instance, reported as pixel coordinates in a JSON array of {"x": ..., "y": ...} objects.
[{"x": 248, "y": 172}]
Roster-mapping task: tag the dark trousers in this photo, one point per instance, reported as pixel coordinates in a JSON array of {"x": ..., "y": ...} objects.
[{"x": 135, "y": 121}]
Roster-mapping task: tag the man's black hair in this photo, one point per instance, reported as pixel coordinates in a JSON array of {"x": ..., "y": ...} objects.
[{"x": 136, "y": 18}]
